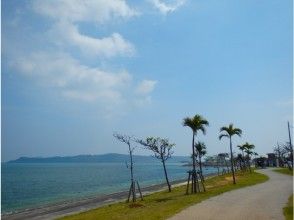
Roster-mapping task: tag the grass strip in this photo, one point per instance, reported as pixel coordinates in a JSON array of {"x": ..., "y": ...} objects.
[
  {"x": 288, "y": 210},
  {"x": 161, "y": 205},
  {"x": 284, "y": 171}
]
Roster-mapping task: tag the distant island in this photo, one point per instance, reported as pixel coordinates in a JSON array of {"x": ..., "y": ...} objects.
[{"x": 103, "y": 158}]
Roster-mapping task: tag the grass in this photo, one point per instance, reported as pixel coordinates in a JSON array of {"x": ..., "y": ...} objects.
[
  {"x": 162, "y": 205},
  {"x": 288, "y": 210},
  {"x": 284, "y": 171}
]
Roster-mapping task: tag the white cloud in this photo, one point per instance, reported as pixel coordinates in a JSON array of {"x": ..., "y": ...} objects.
[
  {"x": 68, "y": 13},
  {"x": 58, "y": 67},
  {"x": 98, "y": 11},
  {"x": 145, "y": 87},
  {"x": 73, "y": 79},
  {"x": 67, "y": 34},
  {"x": 165, "y": 7}
]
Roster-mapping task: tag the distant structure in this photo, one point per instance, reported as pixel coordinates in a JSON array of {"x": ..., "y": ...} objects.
[{"x": 271, "y": 160}]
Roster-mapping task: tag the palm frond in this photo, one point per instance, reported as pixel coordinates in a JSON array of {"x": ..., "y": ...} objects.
[
  {"x": 196, "y": 123},
  {"x": 223, "y": 135},
  {"x": 203, "y": 130},
  {"x": 237, "y": 131}
]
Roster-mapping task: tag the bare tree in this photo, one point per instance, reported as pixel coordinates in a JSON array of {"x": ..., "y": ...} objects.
[
  {"x": 162, "y": 150},
  {"x": 127, "y": 140},
  {"x": 288, "y": 152},
  {"x": 279, "y": 151}
]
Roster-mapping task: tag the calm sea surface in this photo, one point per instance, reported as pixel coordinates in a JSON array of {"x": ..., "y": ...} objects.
[{"x": 32, "y": 185}]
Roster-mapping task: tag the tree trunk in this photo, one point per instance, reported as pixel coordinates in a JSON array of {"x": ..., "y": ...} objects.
[
  {"x": 227, "y": 166},
  {"x": 131, "y": 158},
  {"x": 200, "y": 165},
  {"x": 248, "y": 162},
  {"x": 193, "y": 150},
  {"x": 243, "y": 161},
  {"x": 217, "y": 162},
  {"x": 232, "y": 165},
  {"x": 133, "y": 186},
  {"x": 166, "y": 177}
]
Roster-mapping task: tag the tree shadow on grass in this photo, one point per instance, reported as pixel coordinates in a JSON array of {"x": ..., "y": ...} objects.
[
  {"x": 136, "y": 205},
  {"x": 163, "y": 199}
]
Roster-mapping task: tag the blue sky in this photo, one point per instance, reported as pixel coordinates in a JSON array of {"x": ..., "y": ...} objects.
[{"x": 73, "y": 72}]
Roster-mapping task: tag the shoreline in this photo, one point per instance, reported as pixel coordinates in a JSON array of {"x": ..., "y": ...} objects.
[{"x": 56, "y": 210}]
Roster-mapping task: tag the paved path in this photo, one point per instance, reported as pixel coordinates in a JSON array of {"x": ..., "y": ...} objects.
[{"x": 262, "y": 201}]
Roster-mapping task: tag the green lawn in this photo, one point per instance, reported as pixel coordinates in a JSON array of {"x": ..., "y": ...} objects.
[
  {"x": 284, "y": 171},
  {"x": 162, "y": 205},
  {"x": 288, "y": 210}
]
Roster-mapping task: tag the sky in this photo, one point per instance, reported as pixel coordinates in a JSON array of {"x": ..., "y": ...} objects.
[{"x": 75, "y": 71}]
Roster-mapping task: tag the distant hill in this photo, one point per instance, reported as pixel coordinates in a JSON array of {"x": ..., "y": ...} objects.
[{"x": 104, "y": 158}]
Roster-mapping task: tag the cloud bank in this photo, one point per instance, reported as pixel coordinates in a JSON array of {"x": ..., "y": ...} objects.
[{"x": 59, "y": 65}]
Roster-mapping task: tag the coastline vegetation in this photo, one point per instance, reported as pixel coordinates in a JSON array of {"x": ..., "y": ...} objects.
[{"x": 164, "y": 204}]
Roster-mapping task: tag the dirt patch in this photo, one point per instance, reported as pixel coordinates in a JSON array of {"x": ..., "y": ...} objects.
[
  {"x": 230, "y": 178},
  {"x": 163, "y": 200},
  {"x": 136, "y": 205},
  {"x": 219, "y": 183}
]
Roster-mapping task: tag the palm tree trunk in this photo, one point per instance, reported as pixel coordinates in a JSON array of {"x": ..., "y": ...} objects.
[
  {"x": 217, "y": 162},
  {"x": 232, "y": 165},
  {"x": 244, "y": 166},
  {"x": 166, "y": 177},
  {"x": 193, "y": 150},
  {"x": 248, "y": 162},
  {"x": 200, "y": 165}
]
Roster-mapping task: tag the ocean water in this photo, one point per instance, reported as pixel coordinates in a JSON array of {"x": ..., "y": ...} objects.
[{"x": 32, "y": 185}]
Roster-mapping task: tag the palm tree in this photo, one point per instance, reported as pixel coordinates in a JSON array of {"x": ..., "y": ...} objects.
[
  {"x": 229, "y": 132},
  {"x": 242, "y": 148},
  {"x": 201, "y": 151},
  {"x": 222, "y": 157},
  {"x": 248, "y": 149},
  {"x": 240, "y": 160},
  {"x": 196, "y": 123}
]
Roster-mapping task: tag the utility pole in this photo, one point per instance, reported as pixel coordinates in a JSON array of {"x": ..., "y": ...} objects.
[
  {"x": 289, "y": 134},
  {"x": 291, "y": 147}
]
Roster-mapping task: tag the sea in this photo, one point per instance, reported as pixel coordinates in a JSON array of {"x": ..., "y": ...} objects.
[{"x": 31, "y": 185}]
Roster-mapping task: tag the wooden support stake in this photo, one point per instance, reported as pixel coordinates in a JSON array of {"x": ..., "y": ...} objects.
[
  {"x": 130, "y": 192},
  {"x": 187, "y": 190},
  {"x": 140, "y": 191},
  {"x": 134, "y": 191}
]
